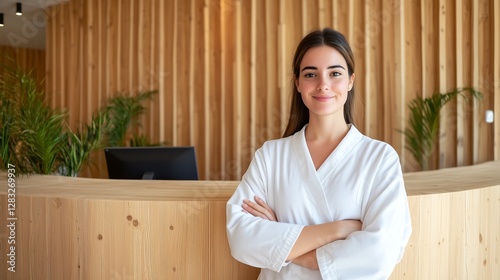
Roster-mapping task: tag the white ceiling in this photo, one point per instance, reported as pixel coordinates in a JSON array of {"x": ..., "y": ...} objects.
[{"x": 28, "y": 30}]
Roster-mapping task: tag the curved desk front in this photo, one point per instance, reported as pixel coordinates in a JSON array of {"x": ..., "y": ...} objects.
[{"x": 78, "y": 228}]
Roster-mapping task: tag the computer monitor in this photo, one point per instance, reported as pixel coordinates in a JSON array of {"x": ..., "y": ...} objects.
[{"x": 151, "y": 163}]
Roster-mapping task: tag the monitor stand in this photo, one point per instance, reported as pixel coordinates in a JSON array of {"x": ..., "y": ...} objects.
[{"x": 148, "y": 176}]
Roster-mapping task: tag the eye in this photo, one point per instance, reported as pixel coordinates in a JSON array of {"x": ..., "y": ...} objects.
[
  {"x": 309, "y": 75},
  {"x": 335, "y": 74}
]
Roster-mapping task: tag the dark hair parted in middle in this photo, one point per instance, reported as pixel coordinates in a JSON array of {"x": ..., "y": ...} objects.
[{"x": 299, "y": 113}]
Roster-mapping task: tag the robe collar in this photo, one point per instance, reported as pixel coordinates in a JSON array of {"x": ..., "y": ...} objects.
[{"x": 341, "y": 152}]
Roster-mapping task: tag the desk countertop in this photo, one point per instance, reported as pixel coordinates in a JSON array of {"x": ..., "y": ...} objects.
[{"x": 417, "y": 183}]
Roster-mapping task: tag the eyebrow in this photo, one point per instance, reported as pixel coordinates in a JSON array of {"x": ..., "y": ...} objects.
[{"x": 316, "y": 68}]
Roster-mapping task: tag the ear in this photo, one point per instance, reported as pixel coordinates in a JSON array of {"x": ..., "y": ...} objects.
[
  {"x": 296, "y": 81},
  {"x": 351, "y": 81}
]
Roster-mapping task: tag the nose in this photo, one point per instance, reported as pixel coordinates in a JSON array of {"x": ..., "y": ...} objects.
[{"x": 323, "y": 84}]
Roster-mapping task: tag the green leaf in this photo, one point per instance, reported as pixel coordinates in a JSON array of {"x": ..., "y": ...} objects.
[
  {"x": 123, "y": 112},
  {"x": 423, "y": 124}
]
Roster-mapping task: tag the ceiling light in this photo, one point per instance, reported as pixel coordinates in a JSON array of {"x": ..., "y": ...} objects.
[{"x": 19, "y": 9}]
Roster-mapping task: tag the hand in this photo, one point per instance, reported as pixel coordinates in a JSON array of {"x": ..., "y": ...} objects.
[
  {"x": 259, "y": 209},
  {"x": 307, "y": 260}
]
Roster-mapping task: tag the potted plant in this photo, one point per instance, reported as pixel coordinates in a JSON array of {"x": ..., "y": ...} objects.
[
  {"x": 35, "y": 137},
  {"x": 423, "y": 124},
  {"x": 32, "y": 132}
]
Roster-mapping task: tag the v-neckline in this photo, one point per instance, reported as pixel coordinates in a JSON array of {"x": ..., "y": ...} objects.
[{"x": 332, "y": 160}]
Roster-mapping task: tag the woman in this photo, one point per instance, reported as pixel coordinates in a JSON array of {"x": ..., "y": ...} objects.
[{"x": 324, "y": 201}]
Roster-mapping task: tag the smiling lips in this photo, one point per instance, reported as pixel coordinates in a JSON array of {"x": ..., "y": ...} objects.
[{"x": 323, "y": 98}]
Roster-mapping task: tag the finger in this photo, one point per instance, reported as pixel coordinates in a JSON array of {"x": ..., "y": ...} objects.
[
  {"x": 258, "y": 209},
  {"x": 256, "y": 206},
  {"x": 270, "y": 211},
  {"x": 262, "y": 207},
  {"x": 249, "y": 209},
  {"x": 263, "y": 204}
]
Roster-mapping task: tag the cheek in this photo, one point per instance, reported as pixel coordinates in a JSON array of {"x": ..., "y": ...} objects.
[
  {"x": 304, "y": 87},
  {"x": 342, "y": 86}
]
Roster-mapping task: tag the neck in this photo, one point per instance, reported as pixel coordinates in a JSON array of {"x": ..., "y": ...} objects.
[{"x": 326, "y": 129}]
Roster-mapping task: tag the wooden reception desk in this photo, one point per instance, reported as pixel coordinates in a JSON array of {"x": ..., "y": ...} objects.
[{"x": 77, "y": 228}]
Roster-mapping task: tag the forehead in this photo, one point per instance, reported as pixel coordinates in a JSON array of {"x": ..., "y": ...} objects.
[{"x": 323, "y": 56}]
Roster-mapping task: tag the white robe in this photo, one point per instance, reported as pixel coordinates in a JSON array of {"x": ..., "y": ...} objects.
[{"x": 361, "y": 179}]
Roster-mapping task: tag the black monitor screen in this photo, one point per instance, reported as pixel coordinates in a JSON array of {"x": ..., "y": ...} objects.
[{"x": 157, "y": 163}]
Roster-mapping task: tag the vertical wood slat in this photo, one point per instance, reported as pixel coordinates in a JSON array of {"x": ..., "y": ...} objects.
[
  {"x": 181, "y": 62},
  {"x": 442, "y": 80},
  {"x": 335, "y": 16},
  {"x": 118, "y": 56},
  {"x": 423, "y": 21},
  {"x": 414, "y": 73},
  {"x": 459, "y": 70},
  {"x": 386, "y": 82},
  {"x": 76, "y": 11},
  {"x": 321, "y": 14},
  {"x": 431, "y": 83},
  {"x": 50, "y": 44},
  {"x": 64, "y": 67},
  {"x": 253, "y": 75},
  {"x": 98, "y": 66},
  {"x": 206, "y": 89},
  {"x": 174, "y": 90},
  {"x": 368, "y": 64},
  {"x": 108, "y": 50},
  {"x": 358, "y": 48},
  {"x": 161, "y": 70},
  {"x": 282, "y": 84},
  {"x": 388, "y": 21},
  {"x": 486, "y": 82},
  {"x": 270, "y": 46},
  {"x": 400, "y": 74},
  {"x": 192, "y": 68},
  {"x": 467, "y": 77},
  {"x": 58, "y": 70},
  {"x": 350, "y": 17},
  {"x": 377, "y": 96},
  {"x": 140, "y": 58},
  {"x": 88, "y": 61},
  {"x": 475, "y": 78},
  {"x": 304, "y": 15},
  {"x": 496, "y": 79},
  {"x": 223, "y": 91},
  {"x": 119, "y": 63},
  {"x": 237, "y": 126},
  {"x": 152, "y": 80}
]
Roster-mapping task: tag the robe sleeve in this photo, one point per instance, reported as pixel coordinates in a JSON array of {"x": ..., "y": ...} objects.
[
  {"x": 253, "y": 240},
  {"x": 373, "y": 252}
]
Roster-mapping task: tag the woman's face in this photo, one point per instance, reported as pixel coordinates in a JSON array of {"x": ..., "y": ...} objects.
[{"x": 324, "y": 81}]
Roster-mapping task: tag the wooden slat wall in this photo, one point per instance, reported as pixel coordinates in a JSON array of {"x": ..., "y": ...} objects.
[
  {"x": 28, "y": 59},
  {"x": 223, "y": 69}
]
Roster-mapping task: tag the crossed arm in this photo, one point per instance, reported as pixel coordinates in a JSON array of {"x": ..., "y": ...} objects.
[{"x": 312, "y": 237}]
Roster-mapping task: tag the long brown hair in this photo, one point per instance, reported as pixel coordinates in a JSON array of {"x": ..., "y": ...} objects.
[{"x": 299, "y": 114}]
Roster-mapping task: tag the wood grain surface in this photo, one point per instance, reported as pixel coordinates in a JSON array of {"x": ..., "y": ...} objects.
[{"x": 79, "y": 228}]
